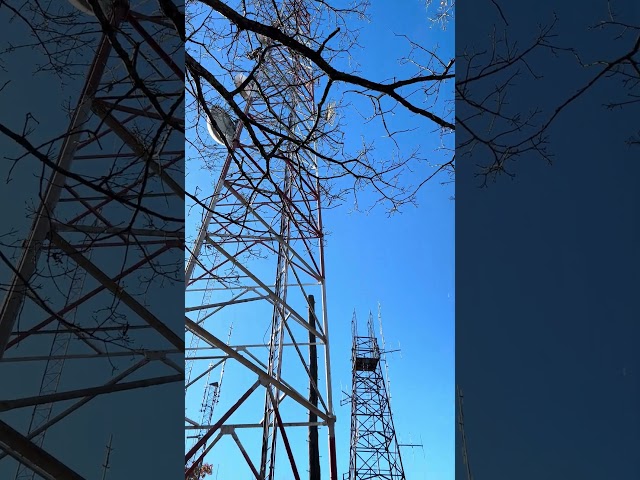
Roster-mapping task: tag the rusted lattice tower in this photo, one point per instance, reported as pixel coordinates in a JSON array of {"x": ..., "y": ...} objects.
[
  {"x": 258, "y": 262},
  {"x": 77, "y": 317},
  {"x": 374, "y": 450}
]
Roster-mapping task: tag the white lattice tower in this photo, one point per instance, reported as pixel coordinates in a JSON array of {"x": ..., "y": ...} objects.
[
  {"x": 265, "y": 222},
  {"x": 210, "y": 399},
  {"x": 53, "y": 369}
]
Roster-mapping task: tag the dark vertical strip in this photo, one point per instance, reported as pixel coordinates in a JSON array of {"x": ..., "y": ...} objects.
[
  {"x": 314, "y": 452},
  {"x": 548, "y": 250}
]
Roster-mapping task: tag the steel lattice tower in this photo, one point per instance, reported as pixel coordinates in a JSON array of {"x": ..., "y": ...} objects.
[
  {"x": 100, "y": 238},
  {"x": 374, "y": 450},
  {"x": 258, "y": 261}
]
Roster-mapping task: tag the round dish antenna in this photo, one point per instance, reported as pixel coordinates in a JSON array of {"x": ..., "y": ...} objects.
[
  {"x": 85, "y": 6},
  {"x": 330, "y": 113},
  {"x": 224, "y": 123},
  {"x": 249, "y": 90}
]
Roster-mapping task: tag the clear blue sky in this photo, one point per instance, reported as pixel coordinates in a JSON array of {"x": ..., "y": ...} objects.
[{"x": 406, "y": 262}]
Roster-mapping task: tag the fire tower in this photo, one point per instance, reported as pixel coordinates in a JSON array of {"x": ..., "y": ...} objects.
[
  {"x": 258, "y": 261},
  {"x": 374, "y": 451},
  {"x": 79, "y": 313}
]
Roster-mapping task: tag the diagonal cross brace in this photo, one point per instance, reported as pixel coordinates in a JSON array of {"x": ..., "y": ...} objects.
[
  {"x": 264, "y": 376},
  {"x": 34, "y": 457},
  {"x": 117, "y": 291}
]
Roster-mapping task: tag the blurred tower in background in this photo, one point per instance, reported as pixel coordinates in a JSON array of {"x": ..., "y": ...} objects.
[{"x": 77, "y": 312}]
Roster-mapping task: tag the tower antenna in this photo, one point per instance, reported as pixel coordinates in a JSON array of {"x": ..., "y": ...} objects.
[
  {"x": 106, "y": 466},
  {"x": 465, "y": 455}
]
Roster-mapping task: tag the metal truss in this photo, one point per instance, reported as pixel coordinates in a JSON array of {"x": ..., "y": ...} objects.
[
  {"x": 258, "y": 262},
  {"x": 101, "y": 238},
  {"x": 374, "y": 450}
]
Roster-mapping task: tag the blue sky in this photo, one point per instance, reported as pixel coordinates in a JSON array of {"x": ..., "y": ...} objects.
[{"x": 405, "y": 262}]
